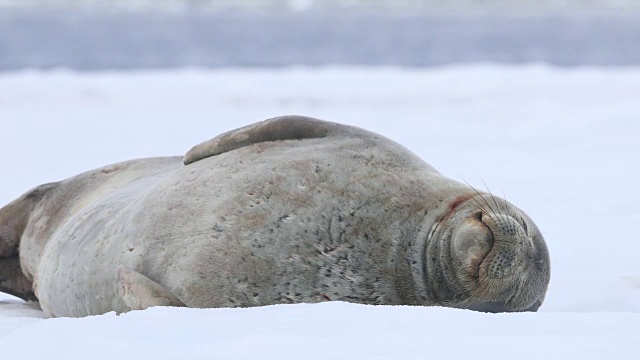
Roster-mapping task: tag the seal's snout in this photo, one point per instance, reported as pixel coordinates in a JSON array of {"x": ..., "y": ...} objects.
[
  {"x": 488, "y": 242},
  {"x": 511, "y": 273},
  {"x": 510, "y": 237},
  {"x": 500, "y": 260}
]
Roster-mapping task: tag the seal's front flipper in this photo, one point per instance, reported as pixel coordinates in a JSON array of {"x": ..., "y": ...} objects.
[
  {"x": 139, "y": 292},
  {"x": 289, "y": 127}
]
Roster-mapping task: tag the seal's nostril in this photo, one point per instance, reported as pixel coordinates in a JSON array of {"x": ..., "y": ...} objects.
[{"x": 478, "y": 215}]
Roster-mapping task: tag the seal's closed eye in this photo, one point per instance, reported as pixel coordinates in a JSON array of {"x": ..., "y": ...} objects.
[{"x": 290, "y": 127}]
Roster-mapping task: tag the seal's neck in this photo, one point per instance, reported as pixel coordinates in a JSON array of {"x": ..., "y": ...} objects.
[{"x": 430, "y": 278}]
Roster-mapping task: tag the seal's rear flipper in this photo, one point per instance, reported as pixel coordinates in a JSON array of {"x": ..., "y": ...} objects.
[
  {"x": 13, "y": 281},
  {"x": 289, "y": 127},
  {"x": 139, "y": 292},
  {"x": 14, "y": 218}
]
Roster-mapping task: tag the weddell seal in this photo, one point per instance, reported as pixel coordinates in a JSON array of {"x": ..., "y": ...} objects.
[{"x": 288, "y": 210}]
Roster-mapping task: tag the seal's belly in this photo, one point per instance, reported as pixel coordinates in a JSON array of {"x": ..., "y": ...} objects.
[
  {"x": 275, "y": 224},
  {"x": 264, "y": 224}
]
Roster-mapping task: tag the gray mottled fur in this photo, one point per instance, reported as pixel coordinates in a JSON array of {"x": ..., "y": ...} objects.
[{"x": 287, "y": 210}]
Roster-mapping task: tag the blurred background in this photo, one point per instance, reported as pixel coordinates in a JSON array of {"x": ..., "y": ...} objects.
[{"x": 126, "y": 34}]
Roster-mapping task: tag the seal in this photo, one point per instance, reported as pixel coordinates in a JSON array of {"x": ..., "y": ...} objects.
[{"x": 287, "y": 210}]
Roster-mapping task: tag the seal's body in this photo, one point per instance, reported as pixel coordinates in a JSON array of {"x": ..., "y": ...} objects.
[{"x": 288, "y": 210}]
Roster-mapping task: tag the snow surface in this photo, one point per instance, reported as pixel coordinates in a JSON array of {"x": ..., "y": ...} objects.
[{"x": 562, "y": 144}]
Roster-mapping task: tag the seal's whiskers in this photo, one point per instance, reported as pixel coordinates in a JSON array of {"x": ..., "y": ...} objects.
[
  {"x": 485, "y": 200},
  {"x": 493, "y": 198}
]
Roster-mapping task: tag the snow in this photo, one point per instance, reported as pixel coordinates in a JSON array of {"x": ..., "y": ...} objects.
[
  {"x": 563, "y": 144},
  {"x": 330, "y": 331}
]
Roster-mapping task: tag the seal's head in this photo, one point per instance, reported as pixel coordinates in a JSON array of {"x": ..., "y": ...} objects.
[{"x": 485, "y": 254}]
